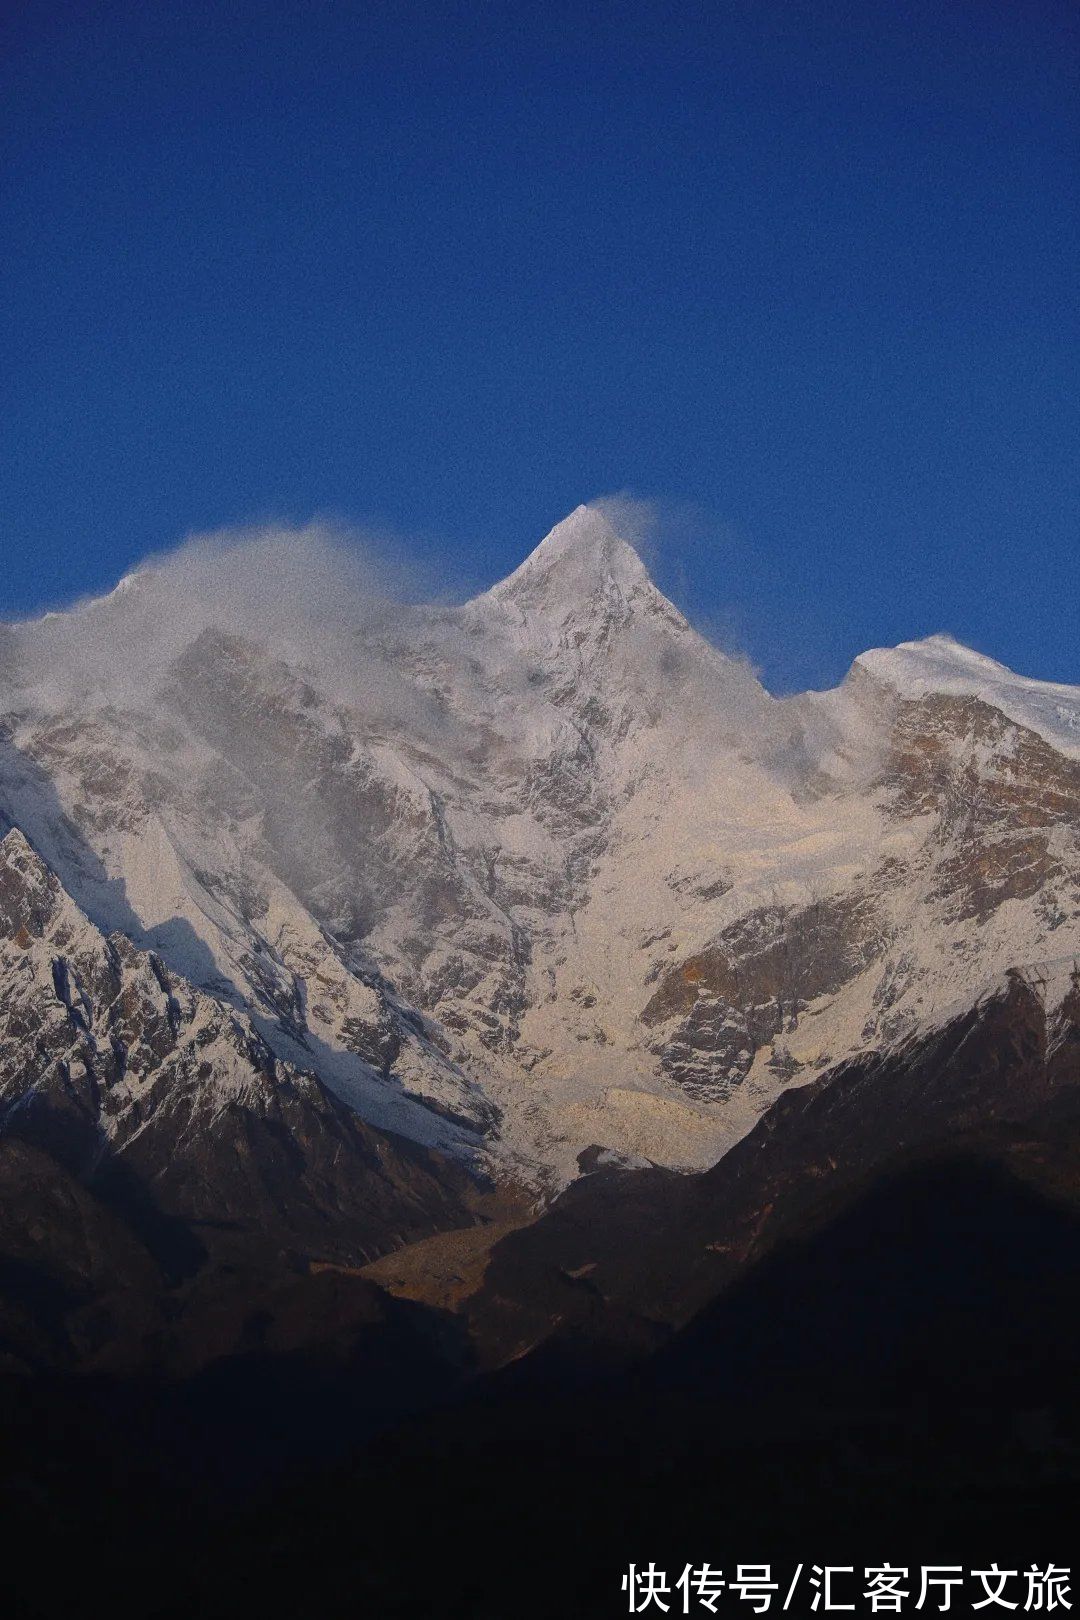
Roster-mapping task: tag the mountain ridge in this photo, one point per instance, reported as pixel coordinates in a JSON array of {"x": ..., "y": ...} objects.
[{"x": 545, "y": 871}]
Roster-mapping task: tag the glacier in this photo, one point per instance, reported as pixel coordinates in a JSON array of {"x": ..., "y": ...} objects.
[{"x": 545, "y": 870}]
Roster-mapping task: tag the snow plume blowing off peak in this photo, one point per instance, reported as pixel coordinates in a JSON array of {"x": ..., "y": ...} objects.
[
  {"x": 495, "y": 868},
  {"x": 610, "y": 538},
  {"x": 583, "y": 553},
  {"x": 312, "y": 595},
  {"x": 361, "y": 615},
  {"x": 358, "y": 618},
  {"x": 317, "y": 597}
]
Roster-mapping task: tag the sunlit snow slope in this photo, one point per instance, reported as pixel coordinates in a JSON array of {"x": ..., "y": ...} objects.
[{"x": 545, "y": 870}]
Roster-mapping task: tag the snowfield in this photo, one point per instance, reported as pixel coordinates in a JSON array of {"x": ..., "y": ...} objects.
[{"x": 545, "y": 870}]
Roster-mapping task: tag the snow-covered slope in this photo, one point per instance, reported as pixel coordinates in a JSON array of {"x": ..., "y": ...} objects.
[
  {"x": 939, "y": 664},
  {"x": 172, "y": 1108},
  {"x": 544, "y": 870}
]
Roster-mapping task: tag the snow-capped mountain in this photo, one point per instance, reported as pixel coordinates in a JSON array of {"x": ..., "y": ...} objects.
[
  {"x": 127, "y": 1078},
  {"x": 546, "y": 870}
]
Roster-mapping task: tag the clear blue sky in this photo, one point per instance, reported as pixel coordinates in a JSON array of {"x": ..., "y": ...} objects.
[{"x": 808, "y": 266}]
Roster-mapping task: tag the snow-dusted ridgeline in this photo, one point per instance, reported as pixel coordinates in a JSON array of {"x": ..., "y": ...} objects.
[{"x": 547, "y": 869}]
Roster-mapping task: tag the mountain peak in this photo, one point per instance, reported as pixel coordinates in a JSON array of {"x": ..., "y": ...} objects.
[
  {"x": 582, "y": 559},
  {"x": 938, "y": 656},
  {"x": 941, "y": 665}
]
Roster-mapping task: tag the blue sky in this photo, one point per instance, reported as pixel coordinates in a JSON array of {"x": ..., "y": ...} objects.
[{"x": 804, "y": 272}]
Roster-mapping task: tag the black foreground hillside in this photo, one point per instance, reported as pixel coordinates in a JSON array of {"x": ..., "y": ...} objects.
[{"x": 855, "y": 1338}]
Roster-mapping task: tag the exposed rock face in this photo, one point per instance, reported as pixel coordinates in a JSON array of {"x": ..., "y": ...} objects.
[
  {"x": 976, "y": 811},
  {"x": 1006, "y": 805},
  {"x": 308, "y": 929},
  {"x": 148, "y": 1133},
  {"x": 310, "y": 925},
  {"x": 546, "y": 870},
  {"x": 624, "y": 1257},
  {"x": 753, "y": 982}
]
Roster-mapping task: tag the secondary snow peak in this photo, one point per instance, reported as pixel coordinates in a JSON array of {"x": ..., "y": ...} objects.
[{"x": 939, "y": 664}]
